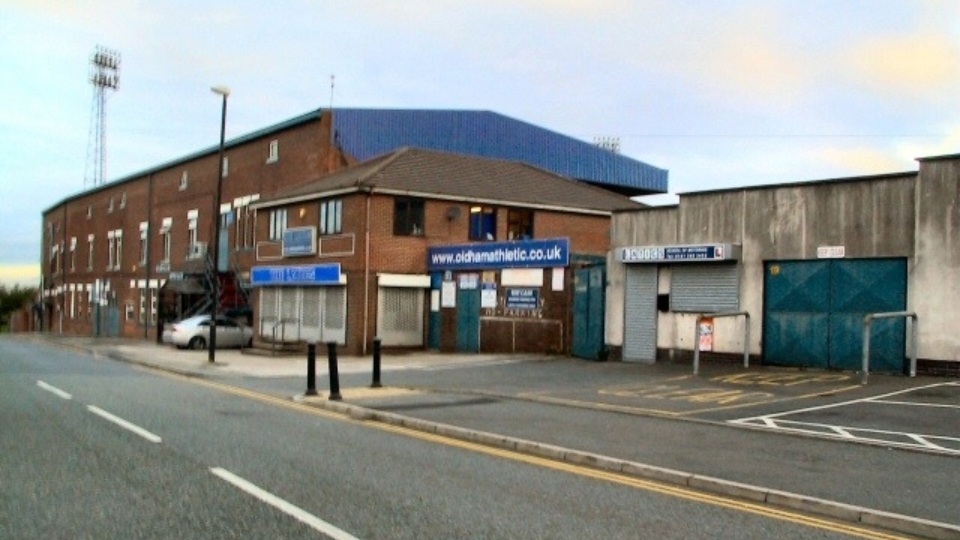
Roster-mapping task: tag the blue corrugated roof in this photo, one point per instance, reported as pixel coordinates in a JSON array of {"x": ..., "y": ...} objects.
[{"x": 366, "y": 133}]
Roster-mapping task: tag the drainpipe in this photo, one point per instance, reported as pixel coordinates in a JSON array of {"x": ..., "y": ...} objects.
[{"x": 366, "y": 277}]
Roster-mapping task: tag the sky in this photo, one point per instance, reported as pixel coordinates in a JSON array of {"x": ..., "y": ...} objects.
[{"x": 721, "y": 93}]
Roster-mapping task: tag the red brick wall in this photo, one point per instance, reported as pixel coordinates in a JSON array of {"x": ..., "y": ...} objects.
[
  {"x": 304, "y": 155},
  {"x": 548, "y": 331}
]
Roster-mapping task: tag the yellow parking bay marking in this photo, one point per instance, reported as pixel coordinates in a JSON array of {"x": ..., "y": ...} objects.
[
  {"x": 722, "y": 397},
  {"x": 638, "y": 483},
  {"x": 781, "y": 379}
]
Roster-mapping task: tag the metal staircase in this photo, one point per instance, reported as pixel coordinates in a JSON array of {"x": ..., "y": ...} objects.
[{"x": 233, "y": 294}]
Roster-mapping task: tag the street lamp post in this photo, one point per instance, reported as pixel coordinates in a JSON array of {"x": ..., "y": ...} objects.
[{"x": 212, "y": 349}]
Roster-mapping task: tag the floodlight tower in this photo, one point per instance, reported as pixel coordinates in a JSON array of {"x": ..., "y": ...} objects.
[{"x": 104, "y": 75}]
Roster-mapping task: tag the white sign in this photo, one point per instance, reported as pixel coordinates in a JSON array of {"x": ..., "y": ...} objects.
[
  {"x": 557, "y": 281},
  {"x": 488, "y": 298},
  {"x": 448, "y": 294},
  {"x": 831, "y": 252}
]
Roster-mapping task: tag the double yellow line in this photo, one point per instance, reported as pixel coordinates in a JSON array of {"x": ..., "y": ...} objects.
[{"x": 587, "y": 472}]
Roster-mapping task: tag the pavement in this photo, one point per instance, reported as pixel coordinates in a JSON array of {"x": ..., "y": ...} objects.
[{"x": 885, "y": 454}]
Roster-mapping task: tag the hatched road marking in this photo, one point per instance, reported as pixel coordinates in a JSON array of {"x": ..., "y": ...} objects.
[{"x": 904, "y": 439}]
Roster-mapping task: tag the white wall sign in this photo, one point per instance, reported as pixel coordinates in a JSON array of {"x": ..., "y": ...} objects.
[
  {"x": 448, "y": 294},
  {"x": 831, "y": 252}
]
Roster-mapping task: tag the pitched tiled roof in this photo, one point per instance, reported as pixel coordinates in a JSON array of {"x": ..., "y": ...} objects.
[{"x": 429, "y": 173}]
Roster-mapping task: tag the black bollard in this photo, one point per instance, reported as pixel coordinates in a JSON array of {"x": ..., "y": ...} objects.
[
  {"x": 376, "y": 364},
  {"x": 311, "y": 369},
  {"x": 332, "y": 370}
]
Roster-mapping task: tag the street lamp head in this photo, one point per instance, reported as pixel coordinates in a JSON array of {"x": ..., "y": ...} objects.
[{"x": 222, "y": 90}]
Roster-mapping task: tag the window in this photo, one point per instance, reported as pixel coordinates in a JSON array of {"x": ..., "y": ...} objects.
[
  {"x": 143, "y": 243},
  {"x": 192, "y": 248},
  {"x": 73, "y": 254},
  {"x": 483, "y": 223},
  {"x": 165, "y": 227},
  {"x": 184, "y": 180},
  {"x": 331, "y": 216},
  {"x": 519, "y": 224},
  {"x": 166, "y": 246},
  {"x": 226, "y": 167},
  {"x": 142, "y": 319},
  {"x": 111, "y": 244},
  {"x": 55, "y": 258},
  {"x": 110, "y": 206},
  {"x": 89, "y": 212},
  {"x": 278, "y": 223},
  {"x": 114, "y": 249},
  {"x": 274, "y": 152},
  {"x": 90, "y": 253},
  {"x": 119, "y": 247},
  {"x": 244, "y": 219},
  {"x": 407, "y": 216},
  {"x": 123, "y": 201}
]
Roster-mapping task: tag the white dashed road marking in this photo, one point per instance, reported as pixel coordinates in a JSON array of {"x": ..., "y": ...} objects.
[
  {"x": 54, "y": 390},
  {"x": 124, "y": 424},
  {"x": 282, "y": 505}
]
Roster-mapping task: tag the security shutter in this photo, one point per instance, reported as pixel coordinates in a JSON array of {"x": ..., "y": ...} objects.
[
  {"x": 310, "y": 314},
  {"x": 640, "y": 314},
  {"x": 334, "y": 314},
  {"x": 705, "y": 288},
  {"x": 289, "y": 330},
  {"x": 400, "y": 316},
  {"x": 268, "y": 313}
]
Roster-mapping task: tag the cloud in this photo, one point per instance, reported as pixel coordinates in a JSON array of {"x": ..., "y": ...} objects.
[
  {"x": 25, "y": 275},
  {"x": 947, "y": 145},
  {"x": 907, "y": 66},
  {"x": 862, "y": 160}
]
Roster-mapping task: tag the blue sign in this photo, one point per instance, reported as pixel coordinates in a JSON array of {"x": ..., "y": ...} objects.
[
  {"x": 522, "y": 254},
  {"x": 299, "y": 241},
  {"x": 316, "y": 274},
  {"x": 522, "y": 298}
]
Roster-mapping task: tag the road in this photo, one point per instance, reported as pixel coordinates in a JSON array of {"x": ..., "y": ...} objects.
[{"x": 96, "y": 449}]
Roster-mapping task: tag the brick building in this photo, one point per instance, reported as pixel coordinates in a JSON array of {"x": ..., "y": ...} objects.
[
  {"x": 425, "y": 248},
  {"x": 121, "y": 256}
]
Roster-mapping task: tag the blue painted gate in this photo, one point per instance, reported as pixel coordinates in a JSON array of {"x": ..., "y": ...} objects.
[
  {"x": 468, "y": 320},
  {"x": 814, "y": 310},
  {"x": 588, "y": 312}
]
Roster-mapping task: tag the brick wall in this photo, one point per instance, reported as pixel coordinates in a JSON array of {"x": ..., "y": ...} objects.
[{"x": 304, "y": 155}]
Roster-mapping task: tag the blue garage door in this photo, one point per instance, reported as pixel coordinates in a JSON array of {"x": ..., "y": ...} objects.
[{"x": 814, "y": 310}]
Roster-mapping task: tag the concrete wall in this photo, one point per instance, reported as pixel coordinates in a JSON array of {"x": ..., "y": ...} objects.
[
  {"x": 934, "y": 291},
  {"x": 870, "y": 217}
]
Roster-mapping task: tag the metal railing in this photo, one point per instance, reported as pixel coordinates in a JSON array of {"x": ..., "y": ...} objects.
[
  {"x": 746, "y": 336},
  {"x": 280, "y": 324},
  {"x": 868, "y": 323}
]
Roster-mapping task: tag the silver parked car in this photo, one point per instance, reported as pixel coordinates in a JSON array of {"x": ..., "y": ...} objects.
[{"x": 194, "y": 333}]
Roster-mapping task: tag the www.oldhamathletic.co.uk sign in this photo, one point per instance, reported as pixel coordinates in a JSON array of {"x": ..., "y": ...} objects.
[{"x": 551, "y": 252}]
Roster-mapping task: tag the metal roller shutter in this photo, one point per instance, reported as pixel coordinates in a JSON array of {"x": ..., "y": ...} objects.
[
  {"x": 705, "y": 288},
  {"x": 401, "y": 316},
  {"x": 640, "y": 314},
  {"x": 310, "y": 314},
  {"x": 268, "y": 314},
  {"x": 334, "y": 326}
]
